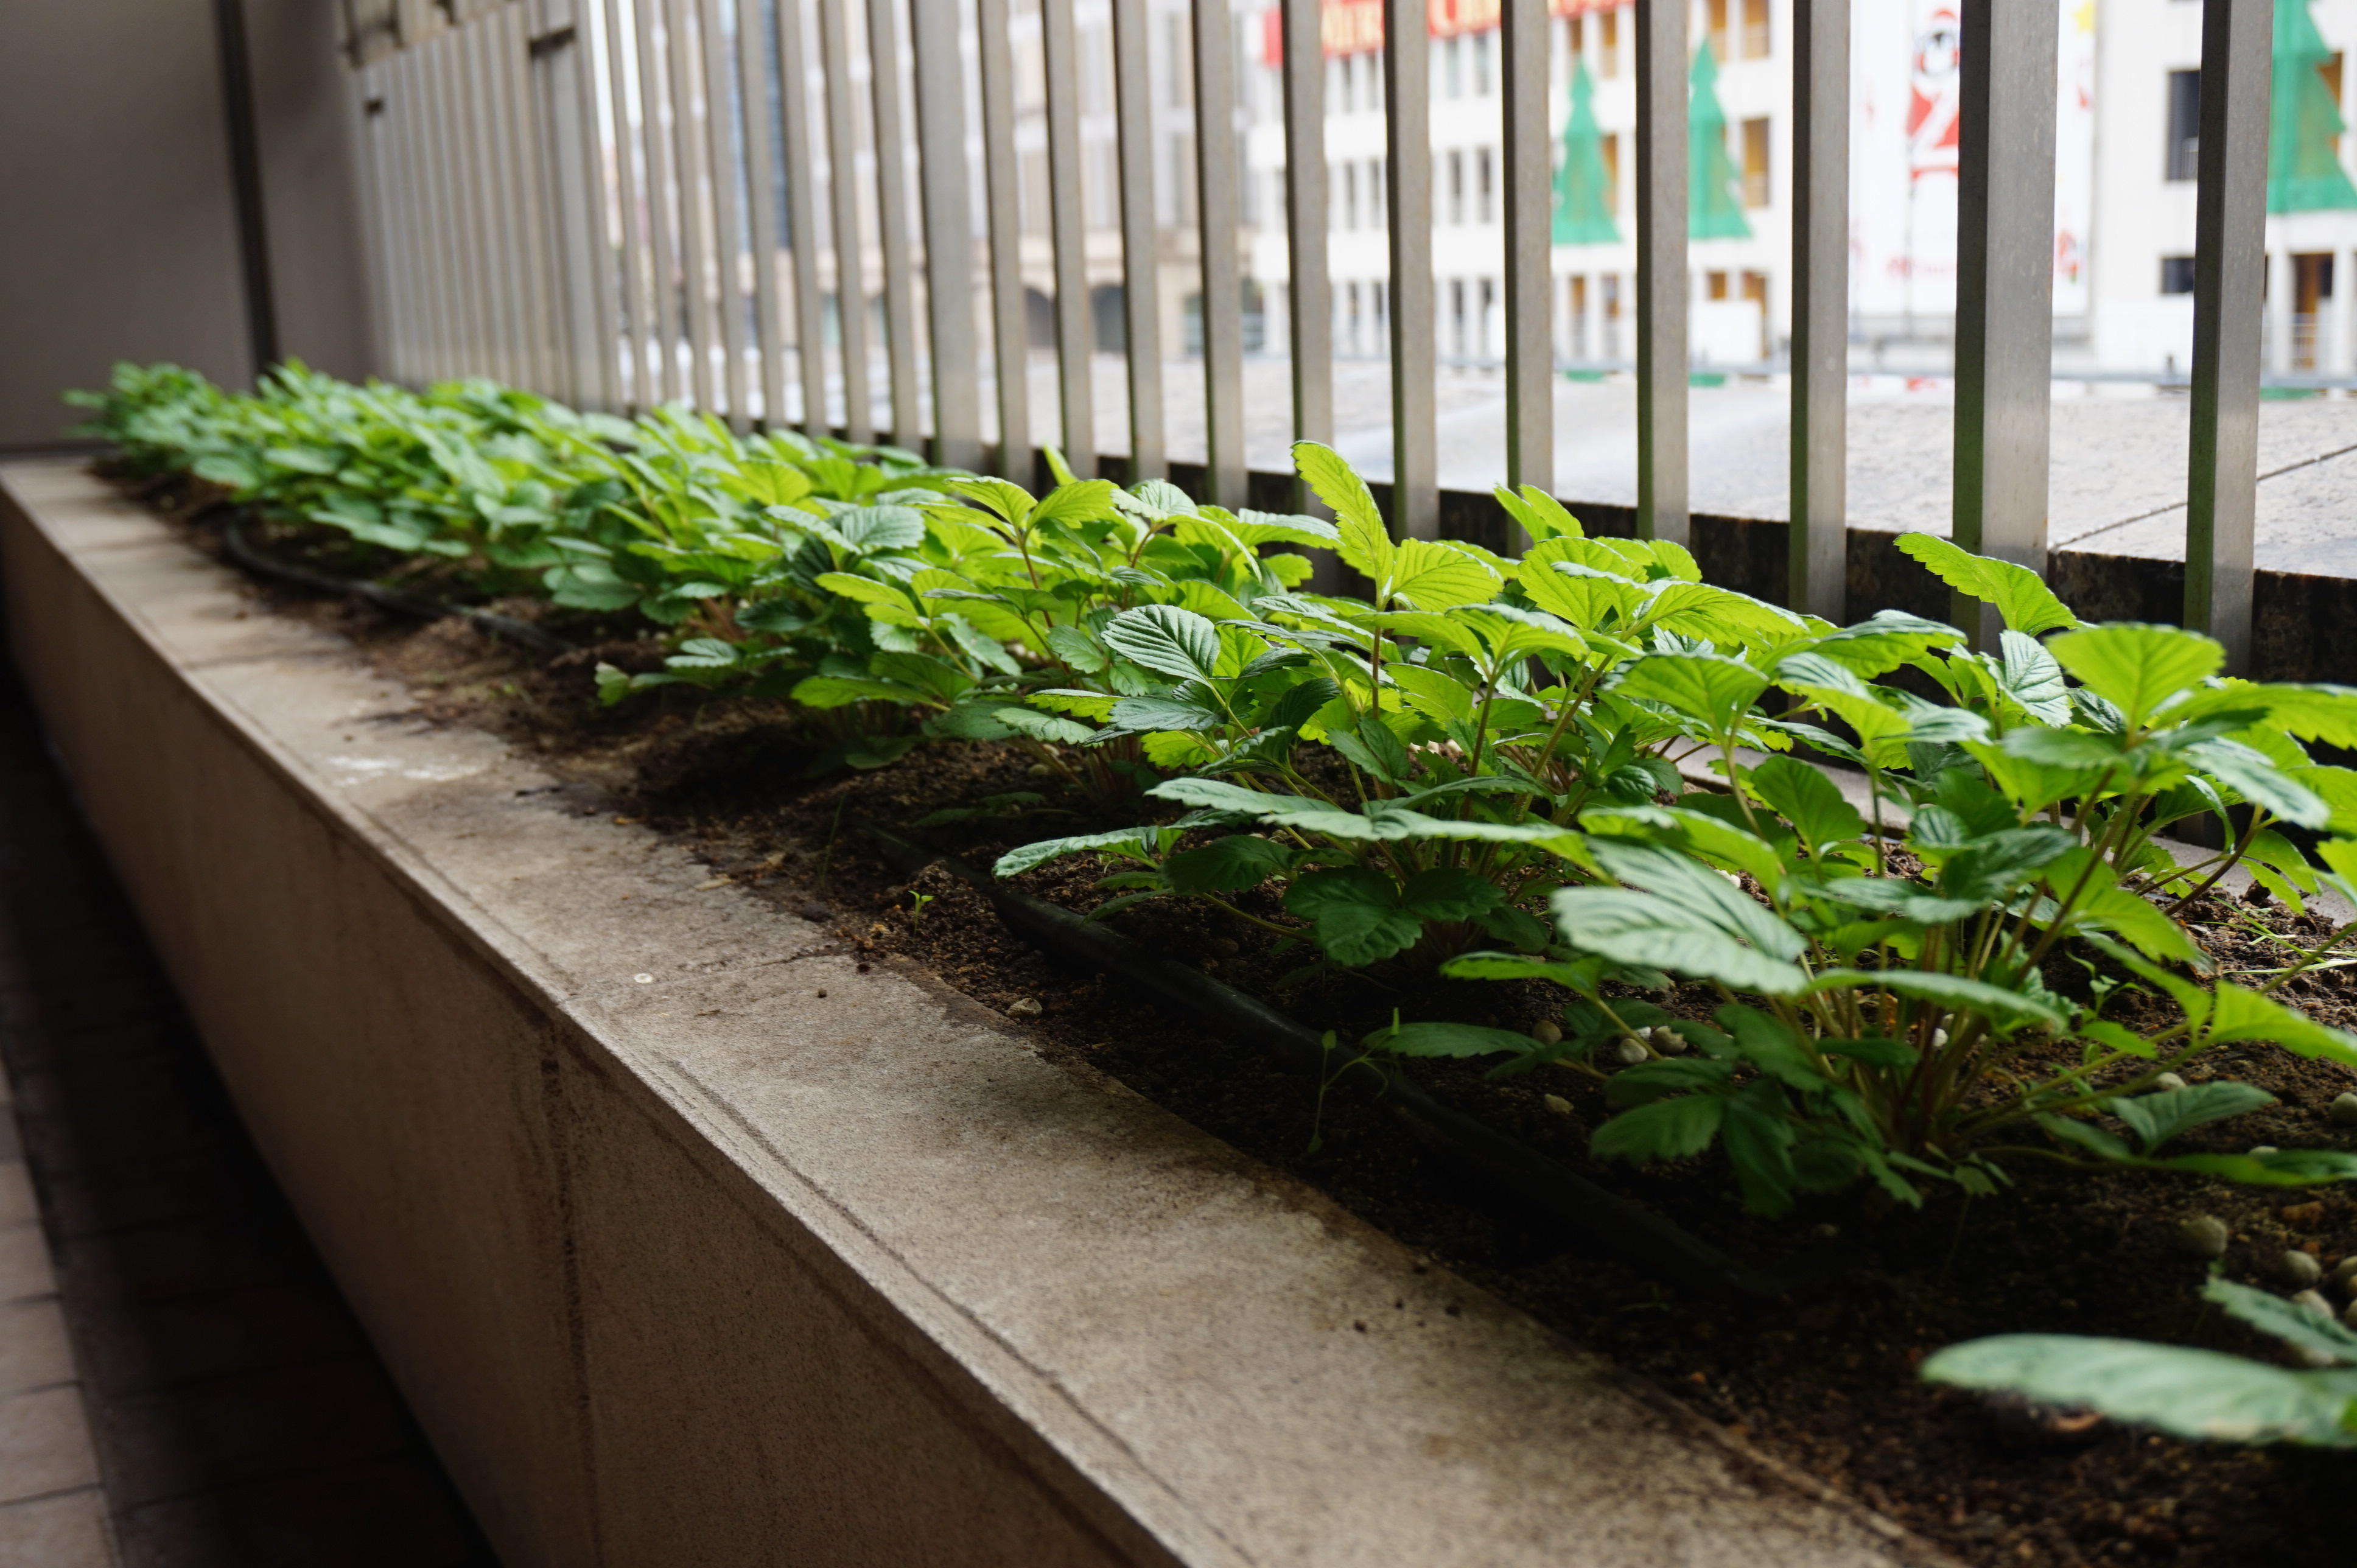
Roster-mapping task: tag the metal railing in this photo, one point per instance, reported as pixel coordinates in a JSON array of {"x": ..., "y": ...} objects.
[{"x": 836, "y": 214}]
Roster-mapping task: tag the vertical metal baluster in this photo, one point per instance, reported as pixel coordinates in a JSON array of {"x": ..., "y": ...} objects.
[
  {"x": 761, "y": 198},
  {"x": 2004, "y": 287},
  {"x": 1818, "y": 558},
  {"x": 693, "y": 184},
  {"x": 424, "y": 303},
  {"x": 1010, "y": 333},
  {"x": 1141, "y": 287},
  {"x": 843, "y": 181},
  {"x": 517, "y": 147},
  {"x": 1309, "y": 314},
  {"x": 502, "y": 167},
  {"x": 567, "y": 120},
  {"x": 1661, "y": 287},
  {"x": 400, "y": 221},
  {"x": 597, "y": 340},
  {"x": 665, "y": 384},
  {"x": 1074, "y": 351},
  {"x": 637, "y": 285},
  {"x": 444, "y": 200},
  {"x": 366, "y": 85},
  {"x": 486, "y": 260},
  {"x": 802, "y": 216},
  {"x": 1217, "y": 212},
  {"x": 1530, "y": 249},
  {"x": 948, "y": 202},
  {"x": 2230, "y": 263},
  {"x": 728, "y": 216},
  {"x": 892, "y": 219},
  {"x": 1407, "y": 186}
]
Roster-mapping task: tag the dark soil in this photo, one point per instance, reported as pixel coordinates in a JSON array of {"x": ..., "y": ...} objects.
[{"x": 1823, "y": 1380}]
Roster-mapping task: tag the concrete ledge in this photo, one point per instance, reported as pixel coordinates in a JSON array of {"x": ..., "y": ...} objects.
[{"x": 680, "y": 1260}]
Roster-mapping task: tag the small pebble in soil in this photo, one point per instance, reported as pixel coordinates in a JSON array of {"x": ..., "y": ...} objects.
[
  {"x": 1825, "y": 1232},
  {"x": 1226, "y": 947},
  {"x": 2344, "y": 1110},
  {"x": 2298, "y": 1270},
  {"x": 1024, "y": 1007},
  {"x": 1040, "y": 770},
  {"x": 2314, "y": 1304},
  {"x": 2204, "y": 1236},
  {"x": 1939, "y": 1038},
  {"x": 2168, "y": 1080},
  {"x": 644, "y": 979},
  {"x": 2259, "y": 1151},
  {"x": 1631, "y": 1050},
  {"x": 1559, "y": 1104},
  {"x": 2310, "y": 1301},
  {"x": 2344, "y": 1273},
  {"x": 1546, "y": 1032},
  {"x": 1666, "y": 1040}
]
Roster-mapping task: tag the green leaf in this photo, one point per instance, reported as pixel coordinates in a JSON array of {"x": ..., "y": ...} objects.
[
  {"x": 1080, "y": 501},
  {"x": 1993, "y": 866},
  {"x": 869, "y": 529},
  {"x": 2293, "y": 1324},
  {"x": 2251, "y": 775},
  {"x": 2137, "y": 667},
  {"x": 2155, "y": 1119},
  {"x": 2196, "y": 1394},
  {"x": 1435, "y": 575},
  {"x": 2239, "y": 1015},
  {"x": 1956, "y": 992},
  {"x": 1146, "y": 715},
  {"x": 1015, "y": 862},
  {"x": 1710, "y": 688},
  {"x": 2032, "y": 677},
  {"x": 1359, "y": 920},
  {"x": 1805, "y": 798},
  {"x": 1043, "y": 726},
  {"x": 1704, "y": 893},
  {"x": 1450, "y": 893},
  {"x": 1365, "y": 543},
  {"x": 1580, "y": 976},
  {"x": 1166, "y": 638},
  {"x": 1633, "y": 928},
  {"x": 841, "y": 690},
  {"x": 1662, "y": 1130},
  {"x": 1447, "y": 1040},
  {"x": 1231, "y": 865},
  {"x": 1650, "y": 1080},
  {"x": 2020, "y": 595},
  {"x": 1541, "y": 516},
  {"x": 1758, "y": 1134}
]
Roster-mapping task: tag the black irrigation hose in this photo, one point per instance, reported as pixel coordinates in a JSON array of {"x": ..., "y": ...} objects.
[
  {"x": 1606, "y": 1221},
  {"x": 413, "y": 605}
]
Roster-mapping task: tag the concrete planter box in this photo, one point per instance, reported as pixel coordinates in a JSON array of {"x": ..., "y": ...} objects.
[{"x": 710, "y": 1268}]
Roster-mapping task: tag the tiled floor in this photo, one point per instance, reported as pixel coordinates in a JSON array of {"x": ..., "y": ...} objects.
[{"x": 180, "y": 1384}]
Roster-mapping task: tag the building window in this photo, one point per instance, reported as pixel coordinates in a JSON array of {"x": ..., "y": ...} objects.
[
  {"x": 1755, "y": 163},
  {"x": 1481, "y": 186},
  {"x": 1755, "y": 29},
  {"x": 1452, "y": 68},
  {"x": 2176, "y": 274},
  {"x": 1612, "y": 170},
  {"x": 1716, "y": 13},
  {"x": 1349, "y": 196},
  {"x": 1481, "y": 65},
  {"x": 1455, "y": 187},
  {"x": 1456, "y": 316},
  {"x": 1715, "y": 285},
  {"x": 1607, "y": 44},
  {"x": 2184, "y": 122}
]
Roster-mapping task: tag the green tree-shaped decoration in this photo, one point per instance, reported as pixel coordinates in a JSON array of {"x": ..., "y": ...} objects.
[
  {"x": 1713, "y": 210},
  {"x": 2304, "y": 172},
  {"x": 1583, "y": 190}
]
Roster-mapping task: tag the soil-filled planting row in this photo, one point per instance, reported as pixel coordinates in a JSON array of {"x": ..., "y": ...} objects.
[{"x": 1823, "y": 1376}]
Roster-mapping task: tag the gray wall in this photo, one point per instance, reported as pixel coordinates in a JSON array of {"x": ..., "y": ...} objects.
[{"x": 118, "y": 222}]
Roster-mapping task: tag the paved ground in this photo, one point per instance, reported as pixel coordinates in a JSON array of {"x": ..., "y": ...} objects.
[
  {"x": 181, "y": 1386},
  {"x": 2118, "y": 465}
]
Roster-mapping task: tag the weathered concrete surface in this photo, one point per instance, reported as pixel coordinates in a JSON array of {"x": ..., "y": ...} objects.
[{"x": 706, "y": 1267}]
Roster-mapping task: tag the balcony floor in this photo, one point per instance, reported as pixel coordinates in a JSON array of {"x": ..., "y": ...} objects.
[{"x": 180, "y": 1381}]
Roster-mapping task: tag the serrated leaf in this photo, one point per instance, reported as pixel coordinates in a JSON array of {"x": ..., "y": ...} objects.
[
  {"x": 1805, "y": 798},
  {"x": 1450, "y": 893},
  {"x": 1231, "y": 865},
  {"x": 1959, "y": 992},
  {"x": 2137, "y": 667},
  {"x": 2159, "y": 1117},
  {"x": 1165, "y": 640},
  {"x": 1362, "y": 541},
  {"x": 1015, "y": 862},
  {"x": 1709, "y": 688},
  {"x": 2199, "y": 1394},
  {"x": 1450, "y": 1040},
  {"x": 1662, "y": 1130},
  {"x": 2020, "y": 595},
  {"x": 1432, "y": 575}
]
